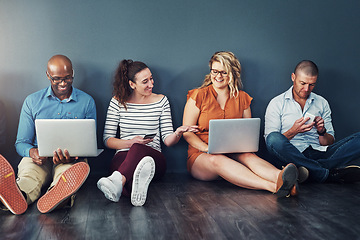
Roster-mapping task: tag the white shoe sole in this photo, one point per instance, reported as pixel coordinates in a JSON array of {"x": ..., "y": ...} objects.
[{"x": 143, "y": 175}]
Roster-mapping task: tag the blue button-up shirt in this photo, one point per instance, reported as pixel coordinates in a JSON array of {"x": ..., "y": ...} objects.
[
  {"x": 45, "y": 105},
  {"x": 283, "y": 111}
]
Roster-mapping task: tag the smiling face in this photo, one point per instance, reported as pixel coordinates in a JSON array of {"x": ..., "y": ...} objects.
[
  {"x": 219, "y": 76},
  {"x": 143, "y": 84},
  {"x": 63, "y": 89},
  {"x": 60, "y": 67}
]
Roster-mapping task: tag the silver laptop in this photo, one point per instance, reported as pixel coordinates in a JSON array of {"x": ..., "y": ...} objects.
[
  {"x": 78, "y": 136},
  {"x": 234, "y": 135}
]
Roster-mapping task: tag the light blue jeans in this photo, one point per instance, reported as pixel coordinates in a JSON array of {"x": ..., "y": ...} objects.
[{"x": 339, "y": 154}]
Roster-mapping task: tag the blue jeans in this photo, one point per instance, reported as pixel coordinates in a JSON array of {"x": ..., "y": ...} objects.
[{"x": 339, "y": 154}]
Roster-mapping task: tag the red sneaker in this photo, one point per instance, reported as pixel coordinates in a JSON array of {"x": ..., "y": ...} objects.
[
  {"x": 69, "y": 182},
  {"x": 10, "y": 195}
]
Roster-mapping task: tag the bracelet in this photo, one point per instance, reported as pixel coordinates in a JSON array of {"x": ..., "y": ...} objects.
[
  {"x": 177, "y": 135},
  {"x": 322, "y": 133}
]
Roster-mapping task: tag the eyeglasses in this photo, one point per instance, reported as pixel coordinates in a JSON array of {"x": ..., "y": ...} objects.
[
  {"x": 57, "y": 80},
  {"x": 215, "y": 72}
]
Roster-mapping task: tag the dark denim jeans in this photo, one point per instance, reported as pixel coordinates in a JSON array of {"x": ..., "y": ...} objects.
[{"x": 318, "y": 163}]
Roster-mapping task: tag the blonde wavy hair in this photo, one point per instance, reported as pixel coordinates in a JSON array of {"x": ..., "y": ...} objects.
[{"x": 232, "y": 66}]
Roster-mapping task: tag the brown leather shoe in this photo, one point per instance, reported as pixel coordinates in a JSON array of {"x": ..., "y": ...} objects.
[
  {"x": 286, "y": 180},
  {"x": 294, "y": 190}
]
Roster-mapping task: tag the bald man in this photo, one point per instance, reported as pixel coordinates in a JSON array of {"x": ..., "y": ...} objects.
[
  {"x": 64, "y": 174},
  {"x": 299, "y": 130}
]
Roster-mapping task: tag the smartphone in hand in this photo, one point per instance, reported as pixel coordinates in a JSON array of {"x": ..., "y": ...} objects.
[
  {"x": 312, "y": 117},
  {"x": 150, "y": 136}
]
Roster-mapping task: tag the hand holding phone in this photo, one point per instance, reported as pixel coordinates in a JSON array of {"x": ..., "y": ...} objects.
[
  {"x": 312, "y": 117},
  {"x": 150, "y": 136}
]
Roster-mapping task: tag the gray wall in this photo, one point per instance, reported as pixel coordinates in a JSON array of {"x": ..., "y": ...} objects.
[{"x": 176, "y": 39}]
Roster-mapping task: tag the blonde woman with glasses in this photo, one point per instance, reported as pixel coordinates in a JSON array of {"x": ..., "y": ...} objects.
[{"x": 221, "y": 97}]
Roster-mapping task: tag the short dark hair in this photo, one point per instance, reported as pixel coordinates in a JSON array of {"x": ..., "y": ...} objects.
[{"x": 308, "y": 67}]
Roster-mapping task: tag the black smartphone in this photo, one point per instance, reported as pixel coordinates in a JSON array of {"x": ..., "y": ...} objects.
[{"x": 150, "y": 136}]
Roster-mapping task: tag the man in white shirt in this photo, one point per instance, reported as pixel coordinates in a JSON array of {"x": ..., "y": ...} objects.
[{"x": 291, "y": 136}]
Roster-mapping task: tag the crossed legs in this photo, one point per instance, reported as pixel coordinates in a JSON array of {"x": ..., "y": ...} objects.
[
  {"x": 319, "y": 164},
  {"x": 68, "y": 178}
]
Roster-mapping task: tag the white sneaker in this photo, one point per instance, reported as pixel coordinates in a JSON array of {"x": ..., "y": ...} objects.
[
  {"x": 111, "y": 189},
  {"x": 143, "y": 175}
]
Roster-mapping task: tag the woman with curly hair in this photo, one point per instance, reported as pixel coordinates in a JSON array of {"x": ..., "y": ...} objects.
[{"x": 221, "y": 97}]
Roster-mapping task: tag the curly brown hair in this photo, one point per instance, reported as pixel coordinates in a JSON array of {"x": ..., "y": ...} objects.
[
  {"x": 232, "y": 66},
  {"x": 126, "y": 72}
]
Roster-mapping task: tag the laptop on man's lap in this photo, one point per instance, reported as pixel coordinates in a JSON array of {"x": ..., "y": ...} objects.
[{"x": 78, "y": 136}]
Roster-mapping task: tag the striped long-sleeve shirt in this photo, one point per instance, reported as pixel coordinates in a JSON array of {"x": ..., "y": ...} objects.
[{"x": 139, "y": 120}]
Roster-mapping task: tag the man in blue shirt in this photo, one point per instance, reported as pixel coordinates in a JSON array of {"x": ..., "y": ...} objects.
[
  {"x": 64, "y": 173},
  {"x": 292, "y": 137}
]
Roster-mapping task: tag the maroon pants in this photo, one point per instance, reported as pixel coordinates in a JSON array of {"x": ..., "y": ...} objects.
[{"x": 125, "y": 162}]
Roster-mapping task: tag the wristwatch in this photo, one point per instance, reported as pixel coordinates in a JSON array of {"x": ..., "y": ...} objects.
[{"x": 322, "y": 133}]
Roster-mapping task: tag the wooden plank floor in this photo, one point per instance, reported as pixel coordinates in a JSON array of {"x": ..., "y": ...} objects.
[{"x": 180, "y": 207}]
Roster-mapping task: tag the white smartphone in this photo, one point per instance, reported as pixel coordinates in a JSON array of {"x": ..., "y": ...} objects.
[{"x": 312, "y": 117}]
